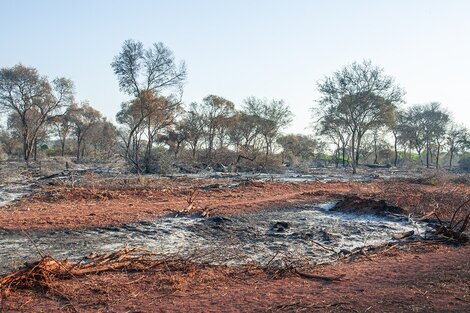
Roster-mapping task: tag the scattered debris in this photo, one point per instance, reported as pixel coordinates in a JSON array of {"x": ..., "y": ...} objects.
[
  {"x": 280, "y": 227},
  {"x": 404, "y": 235}
]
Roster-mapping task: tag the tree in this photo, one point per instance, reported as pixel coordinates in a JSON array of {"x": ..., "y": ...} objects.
[
  {"x": 143, "y": 119},
  {"x": 9, "y": 143},
  {"x": 33, "y": 99},
  {"x": 335, "y": 129},
  {"x": 301, "y": 147},
  {"x": 63, "y": 127},
  {"x": 426, "y": 126},
  {"x": 83, "y": 118},
  {"x": 435, "y": 124},
  {"x": 412, "y": 130},
  {"x": 457, "y": 137},
  {"x": 141, "y": 70},
  {"x": 216, "y": 111},
  {"x": 144, "y": 74},
  {"x": 243, "y": 134},
  {"x": 402, "y": 132},
  {"x": 160, "y": 116},
  {"x": 271, "y": 118},
  {"x": 192, "y": 126},
  {"x": 362, "y": 97},
  {"x": 102, "y": 140}
]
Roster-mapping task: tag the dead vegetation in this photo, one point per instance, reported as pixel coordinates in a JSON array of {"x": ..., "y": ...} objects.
[
  {"x": 447, "y": 202},
  {"x": 457, "y": 226},
  {"x": 48, "y": 274}
]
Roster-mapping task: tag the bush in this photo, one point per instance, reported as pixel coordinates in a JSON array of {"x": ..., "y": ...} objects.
[
  {"x": 51, "y": 152},
  {"x": 161, "y": 162},
  {"x": 464, "y": 163}
]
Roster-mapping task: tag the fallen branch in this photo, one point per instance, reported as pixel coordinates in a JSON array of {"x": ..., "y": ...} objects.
[{"x": 320, "y": 277}]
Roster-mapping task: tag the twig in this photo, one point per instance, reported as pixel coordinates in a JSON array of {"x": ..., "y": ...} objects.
[{"x": 42, "y": 255}]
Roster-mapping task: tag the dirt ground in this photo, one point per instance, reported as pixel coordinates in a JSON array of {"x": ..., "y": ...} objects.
[
  {"x": 106, "y": 203},
  {"x": 415, "y": 278},
  {"x": 418, "y": 279}
]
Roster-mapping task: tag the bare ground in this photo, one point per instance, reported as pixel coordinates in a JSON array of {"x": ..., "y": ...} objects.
[
  {"x": 419, "y": 278},
  {"x": 107, "y": 204}
]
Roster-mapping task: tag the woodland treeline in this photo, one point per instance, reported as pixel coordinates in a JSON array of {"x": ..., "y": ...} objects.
[{"x": 360, "y": 118}]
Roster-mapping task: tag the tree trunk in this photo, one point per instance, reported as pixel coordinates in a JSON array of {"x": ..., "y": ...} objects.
[
  {"x": 353, "y": 152},
  {"x": 344, "y": 154},
  {"x": 376, "y": 157},
  {"x": 148, "y": 151},
  {"x": 420, "y": 156},
  {"x": 337, "y": 156},
  {"x": 62, "y": 147},
  {"x": 427, "y": 154},
  {"x": 451, "y": 157},
  {"x": 177, "y": 148},
  {"x": 26, "y": 148},
  {"x": 35, "y": 153},
  {"x": 78, "y": 149},
  {"x": 396, "y": 149},
  {"x": 359, "y": 137},
  {"x": 267, "y": 145}
]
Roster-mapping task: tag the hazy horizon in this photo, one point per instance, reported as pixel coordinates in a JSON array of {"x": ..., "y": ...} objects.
[{"x": 268, "y": 49}]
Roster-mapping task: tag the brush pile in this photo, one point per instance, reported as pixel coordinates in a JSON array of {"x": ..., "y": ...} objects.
[
  {"x": 43, "y": 273},
  {"x": 458, "y": 225}
]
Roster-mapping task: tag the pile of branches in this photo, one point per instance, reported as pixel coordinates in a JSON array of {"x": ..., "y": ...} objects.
[
  {"x": 45, "y": 272},
  {"x": 457, "y": 226}
]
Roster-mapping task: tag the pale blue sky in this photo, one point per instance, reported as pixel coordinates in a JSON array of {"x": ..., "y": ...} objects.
[{"x": 235, "y": 49}]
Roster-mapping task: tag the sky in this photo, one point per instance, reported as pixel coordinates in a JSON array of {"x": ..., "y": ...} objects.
[{"x": 240, "y": 48}]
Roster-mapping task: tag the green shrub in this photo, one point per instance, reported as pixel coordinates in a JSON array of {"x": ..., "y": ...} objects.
[{"x": 50, "y": 151}]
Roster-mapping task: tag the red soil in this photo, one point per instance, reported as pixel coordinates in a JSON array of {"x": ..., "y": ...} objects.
[
  {"x": 425, "y": 279},
  {"x": 65, "y": 207},
  {"x": 418, "y": 279}
]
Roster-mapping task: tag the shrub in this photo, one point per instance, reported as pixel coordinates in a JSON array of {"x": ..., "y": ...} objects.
[{"x": 464, "y": 163}]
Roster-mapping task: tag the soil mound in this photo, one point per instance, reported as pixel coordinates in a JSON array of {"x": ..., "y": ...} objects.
[{"x": 355, "y": 204}]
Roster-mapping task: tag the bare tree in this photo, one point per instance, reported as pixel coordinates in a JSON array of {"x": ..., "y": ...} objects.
[{"x": 33, "y": 99}]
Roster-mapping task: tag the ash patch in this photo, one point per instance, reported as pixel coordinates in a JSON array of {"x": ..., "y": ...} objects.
[{"x": 234, "y": 240}]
